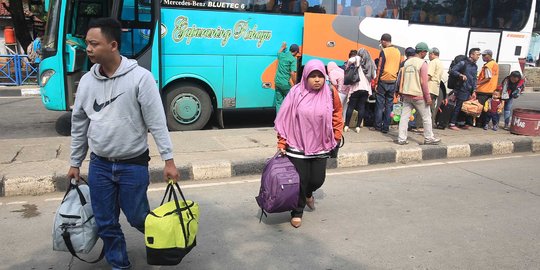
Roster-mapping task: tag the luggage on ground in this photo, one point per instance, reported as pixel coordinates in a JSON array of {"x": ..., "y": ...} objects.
[
  {"x": 280, "y": 186},
  {"x": 75, "y": 228},
  {"x": 170, "y": 230},
  {"x": 444, "y": 113}
]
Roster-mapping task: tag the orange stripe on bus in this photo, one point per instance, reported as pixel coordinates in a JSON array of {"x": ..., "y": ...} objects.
[{"x": 319, "y": 30}]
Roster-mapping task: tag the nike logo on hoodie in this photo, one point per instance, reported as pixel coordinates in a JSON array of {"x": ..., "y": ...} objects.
[{"x": 98, "y": 107}]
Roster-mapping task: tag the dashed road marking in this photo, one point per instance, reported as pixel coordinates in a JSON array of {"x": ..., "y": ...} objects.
[
  {"x": 53, "y": 199},
  {"x": 19, "y": 202}
]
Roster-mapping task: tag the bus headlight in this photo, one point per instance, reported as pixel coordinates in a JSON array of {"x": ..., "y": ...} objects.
[{"x": 45, "y": 76}]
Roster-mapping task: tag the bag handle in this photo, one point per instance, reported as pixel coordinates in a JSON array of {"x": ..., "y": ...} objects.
[
  {"x": 172, "y": 193},
  {"x": 342, "y": 143},
  {"x": 74, "y": 184}
]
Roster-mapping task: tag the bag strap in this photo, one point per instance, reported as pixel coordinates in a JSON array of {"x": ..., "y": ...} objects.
[
  {"x": 74, "y": 184},
  {"x": 69, "y": 245},
  {"x": 179, "y": 211}
]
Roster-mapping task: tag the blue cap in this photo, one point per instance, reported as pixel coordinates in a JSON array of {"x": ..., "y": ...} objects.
[{"x": 410, "y": 52}]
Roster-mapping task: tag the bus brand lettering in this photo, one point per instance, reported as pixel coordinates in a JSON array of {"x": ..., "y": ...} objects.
[
  {"x": 516, "y": 35},
  {"x": 203, "y": 4},
  {"x": 240, "y": 30},
  {"x": 519, "y": 123}
]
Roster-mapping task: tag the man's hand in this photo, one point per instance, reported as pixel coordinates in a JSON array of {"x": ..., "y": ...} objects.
[
  {"x": 473, "y": 96},
  {"x": 283, "y": 46},
  {"x": 74, "y": 172},
  {"x": 429, "y": 102},
  {"x": 463, "y": 77},
  {"x": 170, "y": 172}
]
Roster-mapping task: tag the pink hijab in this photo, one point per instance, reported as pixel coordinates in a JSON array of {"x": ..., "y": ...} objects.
[
  {"x": 336, "y": 75},
  {"x": 305, "y": 117}
]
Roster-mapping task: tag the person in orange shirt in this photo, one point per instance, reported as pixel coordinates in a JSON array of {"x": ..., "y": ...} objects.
[
  {"x": 387, "y": 70},
  {"x": 487, "y": 81}
]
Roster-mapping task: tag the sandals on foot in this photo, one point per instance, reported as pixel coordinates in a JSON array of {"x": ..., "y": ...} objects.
[
  {"x": 296, "y": 222},
  {"x": 310, "y": 202}
]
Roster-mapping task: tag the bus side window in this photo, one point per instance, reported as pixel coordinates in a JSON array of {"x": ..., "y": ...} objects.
[
  {"x": 87, "y": 11},
  {"x": 136, "y": 18}
]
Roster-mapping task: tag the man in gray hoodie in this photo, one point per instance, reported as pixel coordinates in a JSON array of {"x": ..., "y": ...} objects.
[{"x": 117, "y": 103}]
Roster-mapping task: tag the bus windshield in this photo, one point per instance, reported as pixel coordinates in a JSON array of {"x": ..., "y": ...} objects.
[{"x": 50, "y": 41}]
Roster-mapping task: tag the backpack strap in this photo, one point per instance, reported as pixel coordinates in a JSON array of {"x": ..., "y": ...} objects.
[{"x": 69, "y": 245}]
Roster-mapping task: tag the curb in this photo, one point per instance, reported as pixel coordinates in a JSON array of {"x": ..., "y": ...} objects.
[
  {"x": 21, "y": 92},
  {"x": 217, "y": 169}
]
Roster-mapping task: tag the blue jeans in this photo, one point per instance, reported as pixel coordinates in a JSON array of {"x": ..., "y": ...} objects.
[
  {"x": 492, "y": 116},
  {"x": 457, "y": 110},
  {"x": 385, "y": 98},
  {"x": 115, "y": 186},
  {"x": 507, "y": 111}
]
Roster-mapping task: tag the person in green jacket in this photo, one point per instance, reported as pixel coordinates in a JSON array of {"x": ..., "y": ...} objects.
[{"x": 286, "y": 72}]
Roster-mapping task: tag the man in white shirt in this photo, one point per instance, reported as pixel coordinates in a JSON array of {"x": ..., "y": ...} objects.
[{"x": 435, "y": 72}]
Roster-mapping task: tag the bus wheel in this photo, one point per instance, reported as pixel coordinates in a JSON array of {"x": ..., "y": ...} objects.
[
  {"x": 63, "y": 124},
  {"x": 188, "y": 107}
]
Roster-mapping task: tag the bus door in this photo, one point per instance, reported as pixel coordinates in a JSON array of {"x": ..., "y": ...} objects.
[
  {"x": 487, "y": 40},
  {"x": 78, "y": 15},
  {"x": 140, "y": 21},
  {"x": 329, "y": 37}
]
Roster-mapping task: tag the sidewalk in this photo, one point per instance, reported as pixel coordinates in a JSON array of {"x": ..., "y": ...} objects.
[
  {"x": 33, "y": 90},
  {"x": 37, "y": 166},
  {"x": 19, "y": 91}
]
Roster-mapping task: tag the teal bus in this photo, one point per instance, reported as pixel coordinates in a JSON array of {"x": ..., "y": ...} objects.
[{"x": 209, "y": 56}]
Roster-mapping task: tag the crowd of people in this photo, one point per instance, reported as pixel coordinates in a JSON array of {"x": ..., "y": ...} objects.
[
  {"x": 309, "y": 121},
  {"x": 415, "y": 86},
  {"x": 313, "y": 114}
]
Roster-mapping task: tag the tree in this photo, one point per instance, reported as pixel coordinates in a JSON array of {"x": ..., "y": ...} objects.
[{"x": 22, "y": 33}]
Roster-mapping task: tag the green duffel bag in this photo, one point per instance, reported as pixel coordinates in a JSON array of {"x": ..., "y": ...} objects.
[{"x": 170, "y": 230}]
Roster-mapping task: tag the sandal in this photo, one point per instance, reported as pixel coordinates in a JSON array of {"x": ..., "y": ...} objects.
[
  {"x": 310, "y": 202},
  {"x": 296, "y": 222}
]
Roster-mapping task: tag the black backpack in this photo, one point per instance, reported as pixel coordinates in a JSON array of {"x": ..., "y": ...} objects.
[
  {"x": 454, "y": 81},
  {"x": 351, "y": 75}
]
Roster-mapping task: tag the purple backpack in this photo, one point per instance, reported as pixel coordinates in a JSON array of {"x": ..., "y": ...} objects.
[{"x": 280, "y": 186}]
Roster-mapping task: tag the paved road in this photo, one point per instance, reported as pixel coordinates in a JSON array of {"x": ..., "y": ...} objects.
[
  {"x": 22, "y": 118},
  {"x": 27, "y": 118},
  {"x": 458, "y": 214}
]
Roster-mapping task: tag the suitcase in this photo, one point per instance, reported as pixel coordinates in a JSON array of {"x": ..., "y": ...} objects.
[{"x": 444, "y": 113}]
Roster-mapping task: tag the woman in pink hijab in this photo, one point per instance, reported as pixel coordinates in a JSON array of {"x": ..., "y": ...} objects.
[
  {"x": 309, "y": 125},
  {"x": 336, "y": 76}
]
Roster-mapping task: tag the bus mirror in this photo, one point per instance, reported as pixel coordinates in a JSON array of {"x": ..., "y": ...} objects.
[{"x": 46, "y": 5}]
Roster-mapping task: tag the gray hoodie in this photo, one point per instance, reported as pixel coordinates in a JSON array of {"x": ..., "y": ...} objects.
[{"x": 112, "y": 116}]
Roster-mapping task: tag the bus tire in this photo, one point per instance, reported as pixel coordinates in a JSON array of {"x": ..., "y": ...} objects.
[
  {"x": 63, "y": 124},
  {"x": 187, "y": 107}
]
